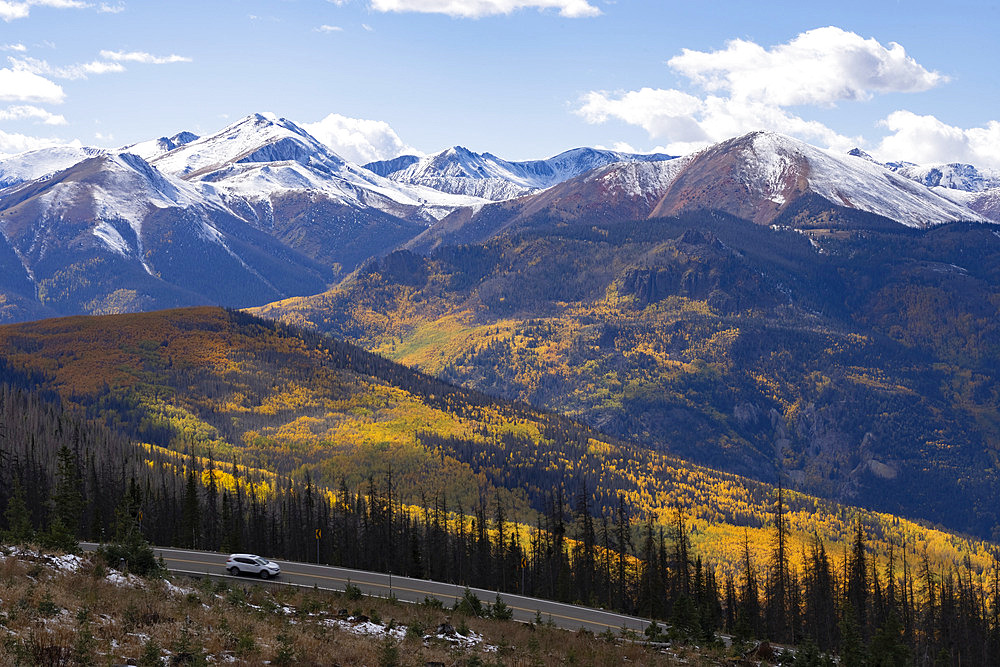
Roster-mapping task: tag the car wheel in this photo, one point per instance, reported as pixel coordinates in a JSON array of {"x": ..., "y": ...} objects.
[
  {"x": 264, "y": 574},
  {"x": 235, "y": 571}
]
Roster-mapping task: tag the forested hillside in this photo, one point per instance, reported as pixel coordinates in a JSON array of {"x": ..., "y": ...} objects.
[
  {"x": 213, "y": 429},
  {"x": 854, "y": 358}
]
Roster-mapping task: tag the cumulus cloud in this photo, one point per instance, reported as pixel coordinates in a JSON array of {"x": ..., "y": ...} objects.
[
  {"x": 29, "y": 112},
  {"x": 925, "y": 139},
  {"x": 359, "y": 140},
  {"x": 13, "y": 10},
  {"x": 142, "y": 57},
  {"x": 478, "y": 8},
  {"x": 11, "y": 143},
  {"x": 689, "y": 123},
  {"x": 20, "y": 48},
  {"x": 18, "y": 85},
  {"x": 746, "y": 87},
  {"x": 818, "y": 67}
]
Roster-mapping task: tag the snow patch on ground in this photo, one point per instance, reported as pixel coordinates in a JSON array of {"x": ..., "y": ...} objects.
[
  {"x": 120, "y": 579},
  {"x": 62, "y": 563},
  {"x": 173, "y": 589}
]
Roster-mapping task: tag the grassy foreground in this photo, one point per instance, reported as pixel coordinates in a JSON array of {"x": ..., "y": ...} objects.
[{"x": 71, "y": 610}]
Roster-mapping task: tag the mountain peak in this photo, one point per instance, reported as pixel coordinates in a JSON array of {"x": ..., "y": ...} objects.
[
  {"x": 759, "y": 175},
  {"x": 259, "y": 137},
  {"x": 857, "y": 152}
]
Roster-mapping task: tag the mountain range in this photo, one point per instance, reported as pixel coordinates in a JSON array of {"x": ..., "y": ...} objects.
[
  {"x": 461, "y": 171},
  {"x": 262, "y": 210}
]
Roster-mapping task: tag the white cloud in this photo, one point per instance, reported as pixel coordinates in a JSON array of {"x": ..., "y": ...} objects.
[
  {"x": 10, "y": 11},
  {"x": 143, "y": 57},
  {"x": 106, "y": 8},
  {"x": 20, "y": 48},
  {"x": 60, "y": 4},
  {"x": 662, "y": 113},
  {"x": 329, "y": 28},
  {"x": 924, "y": 139},
  {"x": 77, "y": 71},
  {"x": 13, "y": 10},
  {"x": 367, "y": 27},
  {"x": 18, "y": 85},
  {"x": 745, "y": 87},
  {"x": 18, "y": 143},
  {"x": 625, "y": 147},
  {"x": 359, "y": 140},
  {"x": 477, "y": 8},
  {"x": 25, "y": 112},
  {"x": 820, "y": 67}
]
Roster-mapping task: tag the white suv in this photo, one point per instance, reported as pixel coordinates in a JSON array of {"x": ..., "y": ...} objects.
[{"x": 238, "y": 564}]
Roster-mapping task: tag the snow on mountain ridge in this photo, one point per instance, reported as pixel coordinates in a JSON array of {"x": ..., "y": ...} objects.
[
  {"x": 256, "y": 138},
  {"x": 153, "y": 148},
  {"x": 461, "y": 171},
  {"x": 847, "y": 180},
  {"x": 954, "y": 175},
  {"x": 262, "y": 156},
  {"x": 32, "y": 165}
]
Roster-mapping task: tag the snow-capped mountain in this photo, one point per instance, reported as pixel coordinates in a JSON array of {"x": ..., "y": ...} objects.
[
  {"x": 113, "y": 233},
  {"x": 153, "y": 148},
  {"x": 262, "y": 157},
  {"x": 954, "y": 176},
  {"x": 256, "y": 212},
  {"x": 262, "y": 209},
  {"x": 461, "y": 171},
  {"x": 965, "y": 184},
  {"x": 28, "y": 166},
  {"x": 617, "y": 191},
  {"x": 762, "y": 174}
]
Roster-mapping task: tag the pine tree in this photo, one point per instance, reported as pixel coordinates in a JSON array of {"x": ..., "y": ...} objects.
[
  {"x": 819, "y": 599},
  {"x": 623, "y": 539},
  {"x": 19, "y": 530},
  {"x": 777, "y": 607},
  {"x": 748, "y": 619},
  {"x": 650, "y": 586},
  {"x": 211, "y": 510},
  {"x": 857, "y": 580},
  {"x": 191, "y": 513},
  {"x": 67, "y": 502},
  {"x": 586, "y": 560}
]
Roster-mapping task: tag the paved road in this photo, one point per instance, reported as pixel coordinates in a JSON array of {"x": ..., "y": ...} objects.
[{"x": 571, "y": 617}]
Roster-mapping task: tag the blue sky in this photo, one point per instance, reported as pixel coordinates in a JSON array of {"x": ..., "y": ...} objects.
[{"x": 519, "y": 78}]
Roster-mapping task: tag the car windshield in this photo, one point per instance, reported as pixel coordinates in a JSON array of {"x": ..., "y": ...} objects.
[{"x": 262, "y": 561}]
